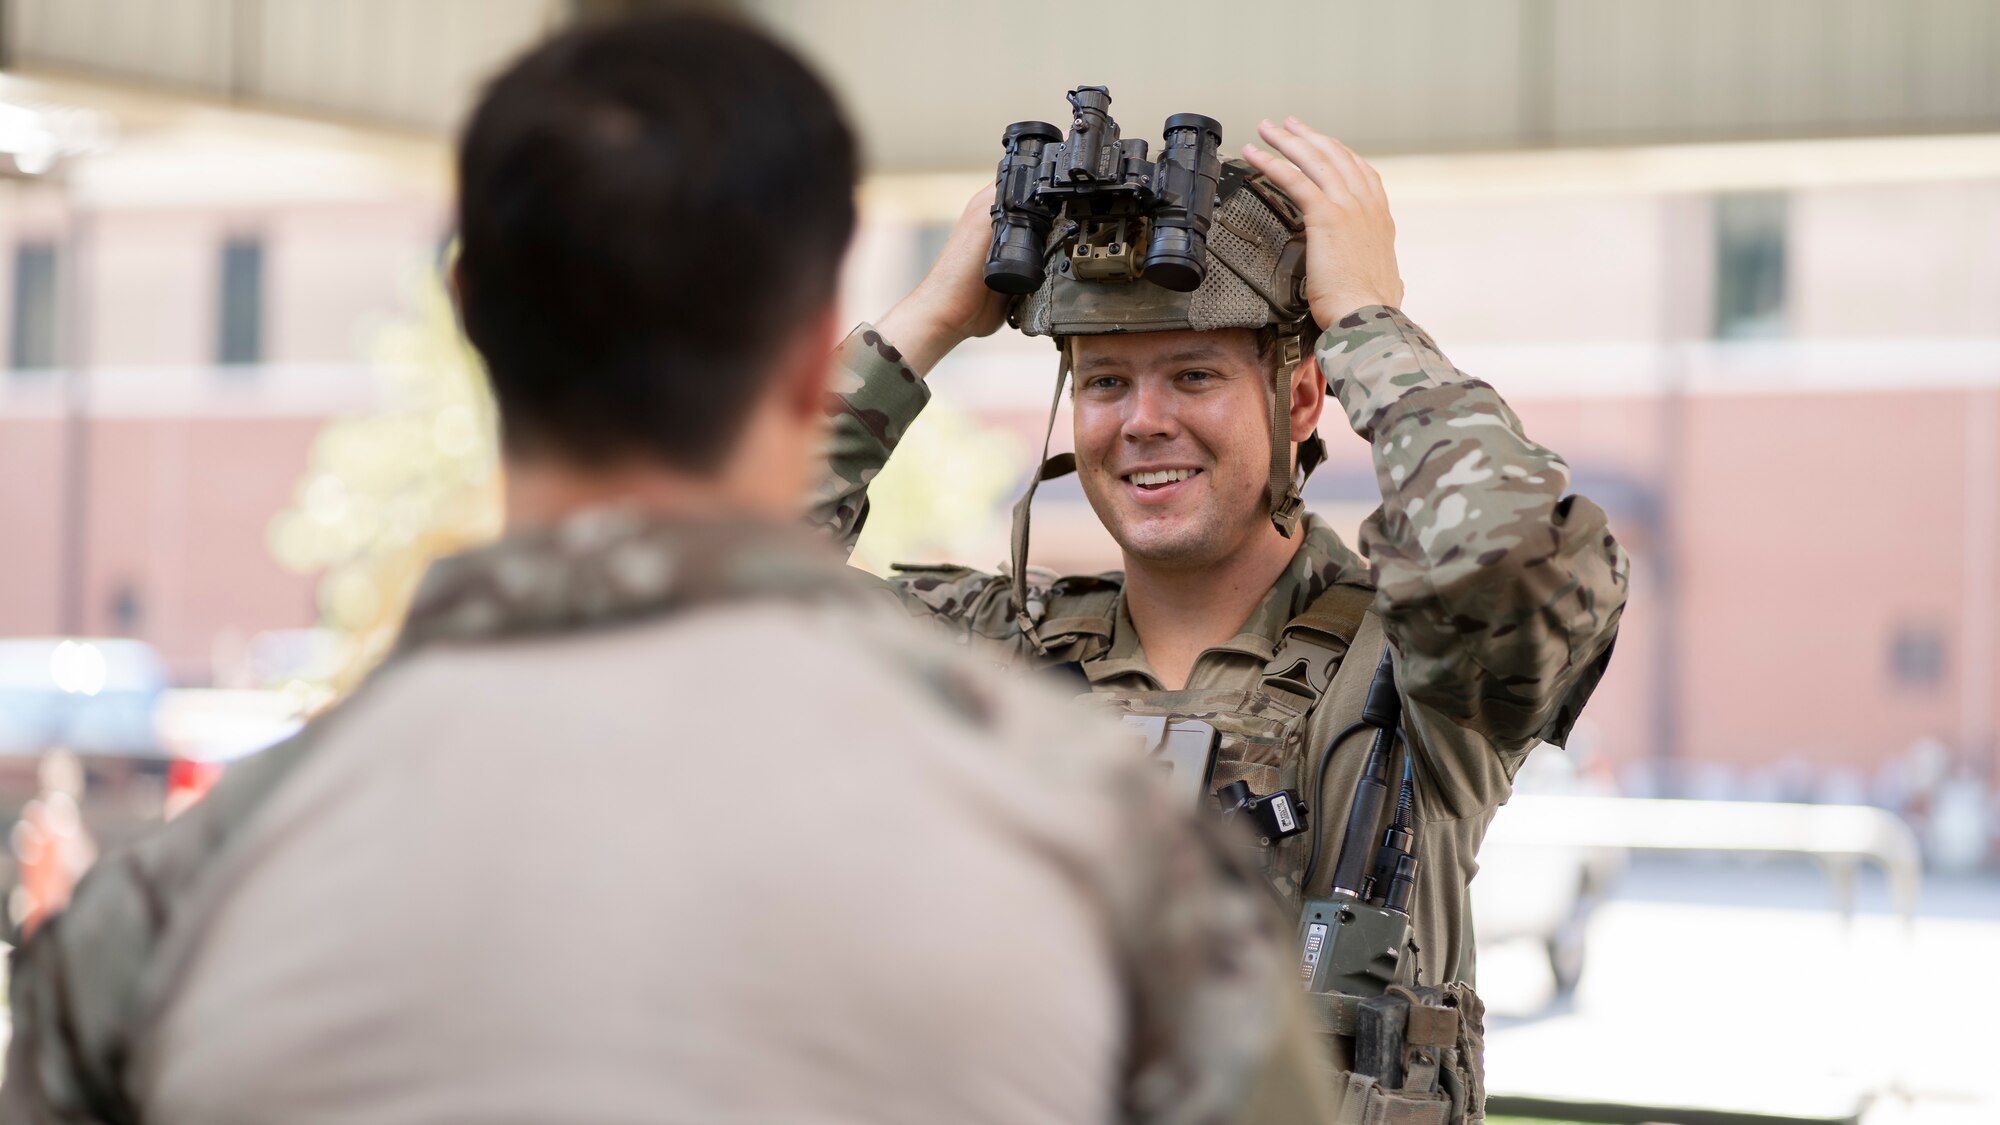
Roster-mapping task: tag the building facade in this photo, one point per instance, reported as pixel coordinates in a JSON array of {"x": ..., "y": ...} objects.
[{"x": 1776, "y": 363}]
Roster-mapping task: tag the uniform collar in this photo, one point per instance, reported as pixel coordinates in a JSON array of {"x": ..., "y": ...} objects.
[
  {"x": 609, "y": 565},
  {"x": 1320, "y": 561}
]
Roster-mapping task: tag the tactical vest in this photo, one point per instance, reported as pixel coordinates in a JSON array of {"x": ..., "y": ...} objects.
[{"x": 1271, "y": 737}]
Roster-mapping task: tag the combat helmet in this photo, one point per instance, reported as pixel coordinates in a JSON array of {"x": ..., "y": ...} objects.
[{"x": 1092, "y": 239}]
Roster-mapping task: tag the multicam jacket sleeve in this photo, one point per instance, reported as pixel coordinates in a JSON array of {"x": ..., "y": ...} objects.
[
  {"x": 1501, "y": 592},
  {"x": 874, "y": 398}
]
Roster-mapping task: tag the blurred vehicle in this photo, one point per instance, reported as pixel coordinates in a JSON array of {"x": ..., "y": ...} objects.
[
  {"x": 141, "y": 749},
  {"x": 1546, "y": 893},
  {"x": 92, "y": 697},
  {"x": 202, "y": 730}
]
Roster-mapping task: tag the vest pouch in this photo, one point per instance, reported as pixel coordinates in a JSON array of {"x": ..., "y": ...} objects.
[
  {"x": 1259, "y": 744},
  {"x": 1258, "y": 735},
  {"x": 1262, "y": 778},
  {"x": 1419, "y": 1061},
  {"x": 1365, "y": 1102}
]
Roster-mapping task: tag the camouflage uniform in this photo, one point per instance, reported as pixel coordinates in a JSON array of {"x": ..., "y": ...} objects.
[
  {"x": 1211, "y": 1019},
  {"x": 1501, "y": 594}
]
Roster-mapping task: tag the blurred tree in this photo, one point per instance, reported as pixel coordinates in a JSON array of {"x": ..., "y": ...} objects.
[
  {"x": 384, "y": 494},
  {"x": 941, "y": 497}
]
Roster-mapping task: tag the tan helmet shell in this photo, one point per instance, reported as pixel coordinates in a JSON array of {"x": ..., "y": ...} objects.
[{"x": 1255, "y": 276}]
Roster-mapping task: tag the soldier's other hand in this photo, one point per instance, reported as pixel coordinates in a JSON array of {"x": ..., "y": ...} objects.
[
  {"x": 952, "y": 303},
  {"x": 1350, "y": 238}
]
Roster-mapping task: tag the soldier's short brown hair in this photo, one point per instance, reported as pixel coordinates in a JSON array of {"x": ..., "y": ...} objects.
[{"x": 648, "y": 210}]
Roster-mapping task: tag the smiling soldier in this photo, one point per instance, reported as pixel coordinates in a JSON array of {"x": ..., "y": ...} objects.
[{"x": 1195, "y": 415}]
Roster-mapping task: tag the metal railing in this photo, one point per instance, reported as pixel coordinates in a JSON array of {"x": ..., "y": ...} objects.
[{"x": 1840, "y": 837}]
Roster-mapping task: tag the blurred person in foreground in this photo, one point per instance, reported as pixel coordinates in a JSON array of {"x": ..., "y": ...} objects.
[
  {"x": 1195, "y": 417},
  {"x": 659, "y": 811}
]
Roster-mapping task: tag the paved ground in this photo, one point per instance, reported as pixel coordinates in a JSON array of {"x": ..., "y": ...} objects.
[{"x": 1739, "y": 986}]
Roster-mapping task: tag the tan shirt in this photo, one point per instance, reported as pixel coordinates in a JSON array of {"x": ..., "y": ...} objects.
[{"x": 563, "y": 882}]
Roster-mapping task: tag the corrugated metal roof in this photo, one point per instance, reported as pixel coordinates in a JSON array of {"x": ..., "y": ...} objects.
[
  {"x": 386, "y": 62},
  {"x": 931, "y": 84}
]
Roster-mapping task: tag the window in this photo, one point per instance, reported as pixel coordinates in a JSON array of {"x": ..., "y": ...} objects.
[
  {"x": 1749, "y": 266},
  {"x": 32, "y": 337},
  {"x": 240, "y": 331},
  {"x": 127, "y": 609}
]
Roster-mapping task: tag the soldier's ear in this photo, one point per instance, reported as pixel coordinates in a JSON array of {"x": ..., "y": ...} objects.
[
  {"x": 1308, "y": 396},
  {"x": 806, "y": 369}
]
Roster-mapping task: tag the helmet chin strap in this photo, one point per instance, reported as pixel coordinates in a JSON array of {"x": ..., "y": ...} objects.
[
  {"x": 1286, "y": 491},
  {"x": 1027, "y": 613}
]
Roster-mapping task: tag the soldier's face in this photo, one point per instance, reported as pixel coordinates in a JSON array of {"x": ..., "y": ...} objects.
[{"x": 1173, "y": 441}]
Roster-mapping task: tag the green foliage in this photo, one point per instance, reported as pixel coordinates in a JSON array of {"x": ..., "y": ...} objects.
[
  {"x": 385, "y": 493},
  {"x": 939, "y": 498}
]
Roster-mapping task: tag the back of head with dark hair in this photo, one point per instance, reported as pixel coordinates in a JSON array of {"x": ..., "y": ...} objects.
[{"x": 648, "y": 211}]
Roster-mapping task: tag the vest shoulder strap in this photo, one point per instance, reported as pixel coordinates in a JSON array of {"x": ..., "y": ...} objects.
[
  {"x": 1313, "y": 644},
  {"x": 1335, "y": 613},
  {"x": 1084, "y": 607}
]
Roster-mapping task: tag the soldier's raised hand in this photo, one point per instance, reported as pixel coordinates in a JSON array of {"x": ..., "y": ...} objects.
[
  {"x": 952, "y": 303},
  {"x": 1350, "y": 238}
]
